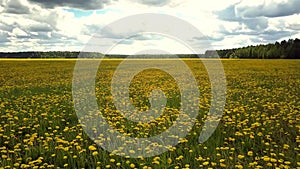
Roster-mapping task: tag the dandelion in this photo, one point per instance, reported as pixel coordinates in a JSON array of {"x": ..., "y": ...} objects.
[
  {"x": 92, "y": 148},
  {"x": 180, "y": 157},
  {"x": 132, "y": 165},
  {"x": 169, "y": 160},
  {"x": 205, "y": 163},
  {"x": 266, "y": 158},
  {"x": 239, "y": 166},
  {"x": 240, "y": 156},
  {"x": 285, "y": 146}
]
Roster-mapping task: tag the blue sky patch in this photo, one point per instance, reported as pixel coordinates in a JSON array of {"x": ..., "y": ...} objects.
[
  {"x": 79, "y": 13},
  {"x": 83, "y": 13}
]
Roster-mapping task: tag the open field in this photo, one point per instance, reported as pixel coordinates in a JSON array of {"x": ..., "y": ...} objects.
[{"x": 260, "y": 127}]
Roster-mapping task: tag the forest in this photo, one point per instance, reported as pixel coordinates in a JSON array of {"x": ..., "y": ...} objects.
[
  {"x": 280, "y": 50},
  {"x": 289, "y": 49}
]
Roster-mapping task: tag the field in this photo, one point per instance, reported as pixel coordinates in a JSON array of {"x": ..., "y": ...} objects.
[{"x": 260, "y": 127}]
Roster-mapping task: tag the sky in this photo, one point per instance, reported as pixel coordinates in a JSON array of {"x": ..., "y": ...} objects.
[{"x": 68, "y": 25}]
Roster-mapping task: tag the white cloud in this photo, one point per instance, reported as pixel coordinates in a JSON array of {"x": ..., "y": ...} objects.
[
  {"x": 18, "y": 32},
  {"x": 42, "y": 25},
  {"x": 150, "y": 43}
]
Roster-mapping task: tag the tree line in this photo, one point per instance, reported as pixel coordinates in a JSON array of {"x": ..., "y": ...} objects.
[{"x": 279, "y": 50}]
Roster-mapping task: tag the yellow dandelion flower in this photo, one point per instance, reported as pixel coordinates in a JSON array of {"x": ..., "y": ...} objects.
[
  {"x": 169, "y": 161},
  {"x": 241, "y": 156},
  {"x": 266, "y": 158},
  {"x": 132, "y": 165},
  {"x": 239, "y": 166},
  {"x": 92, "y": 148},
  {"x": 205, "y": 163}
]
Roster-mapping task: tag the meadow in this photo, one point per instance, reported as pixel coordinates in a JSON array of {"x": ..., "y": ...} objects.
[{"x": 260, "y": 127}]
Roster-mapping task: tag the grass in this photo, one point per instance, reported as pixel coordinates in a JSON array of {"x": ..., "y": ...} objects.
[{"x": 260, "y": 127}]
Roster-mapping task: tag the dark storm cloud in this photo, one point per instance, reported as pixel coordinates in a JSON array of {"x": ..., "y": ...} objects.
[
  {"x": 15, "y": 7},
  {"x": 275, "y": 9},
  {"x": 81, "y": 4}
]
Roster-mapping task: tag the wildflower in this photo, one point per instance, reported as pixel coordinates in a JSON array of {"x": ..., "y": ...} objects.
[
  {"x": 241, "y": 156},
  {"x": 169, "y": 160},
  {"x": 239, "y": 166},
  {"x": 132, "y": 165},
  {"x": 95, "y": 153},
  {"x": 92, "y": 148},
  {"x": 205, "y": 163}
]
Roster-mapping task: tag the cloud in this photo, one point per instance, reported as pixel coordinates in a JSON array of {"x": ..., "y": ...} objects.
[
  {"x": 69, "y": 24},
  {"x": 19, "y": 33},
  {"x": 15, "y": 7},
  {"x": 230, "y": 14},
  {"x": 81, "y": 4},
  {"x": 274, "y": 35},
  {"x": 244, "y": 10},
  {"x": 227, "y": 14},
  {"x": 267, "y": 8},
  {"x": 42, "y": 27},
  {"x": 153, "y": 2},
  {"x": 294, "y": 26},
  {"x": 260, "y": 23},
  {"x": 3, "y": 37}
]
